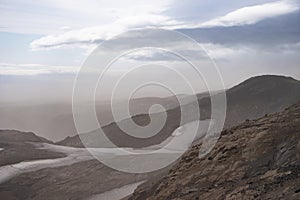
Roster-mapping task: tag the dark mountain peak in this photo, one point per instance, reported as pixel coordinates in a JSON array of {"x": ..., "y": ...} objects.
[
  {"x": 265, "y": 82},
  {"x": 269, "y": 77},
  {"x": 260, "y": 95}
]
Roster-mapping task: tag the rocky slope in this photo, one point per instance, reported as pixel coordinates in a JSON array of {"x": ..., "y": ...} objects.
[
  {"x": 250, "y": 99},
  {"x": 258, "y": 159}
]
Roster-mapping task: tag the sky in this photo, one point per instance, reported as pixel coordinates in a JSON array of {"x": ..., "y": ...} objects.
[{"x": 44, "y": 43}]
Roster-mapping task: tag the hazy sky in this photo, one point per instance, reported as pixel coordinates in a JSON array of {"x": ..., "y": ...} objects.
[{"x": 44, "y": 43}]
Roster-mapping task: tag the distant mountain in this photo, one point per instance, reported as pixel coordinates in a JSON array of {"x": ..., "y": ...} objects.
[
  {"x": 55, "y": 120},
  {"x": 121, "y": 139},
  {"x": 18, "y": 136},
  {"x": 258, "y": 159},
  {"x": 19, "y": 146},
  {"x": 250, "y": 99}
]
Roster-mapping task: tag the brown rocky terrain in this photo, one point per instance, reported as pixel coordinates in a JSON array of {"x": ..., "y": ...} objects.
[{"x": 258, "y": 159}]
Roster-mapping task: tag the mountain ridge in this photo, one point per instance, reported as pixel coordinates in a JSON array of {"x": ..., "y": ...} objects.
[{"x": 243, "y": 102}]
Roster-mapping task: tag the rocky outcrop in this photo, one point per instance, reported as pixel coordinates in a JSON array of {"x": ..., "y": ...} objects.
[{"x": 258, "y": 159}]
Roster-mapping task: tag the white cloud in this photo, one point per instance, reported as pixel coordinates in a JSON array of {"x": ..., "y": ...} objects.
[
  {"x": 96, "y": 34},
  {"x": 214, "y": 51},
  {"x": 253, "y": 14},
  {"x": 140, "y": 16},
  {"x": 221, "y": 52},
  {"x": 34, "y": 69},
  {"x": 48, "y": 16}
]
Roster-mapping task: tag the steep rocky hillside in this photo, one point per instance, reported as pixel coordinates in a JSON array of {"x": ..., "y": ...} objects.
[{"x": 258, "y": 159}]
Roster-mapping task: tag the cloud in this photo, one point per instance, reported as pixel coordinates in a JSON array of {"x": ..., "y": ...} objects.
[
  {"x": 216, "y": 51},
  {"x": 96, "y": 34},
  {"x": 213, "y": 51},
  {"x": 34, "y": 69},
  {"x": 253, "y": 14},
  {"x": 266, "y": 35},
  {"x": 92, "y": 35},
  {"x": 48, "y": 16}
]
